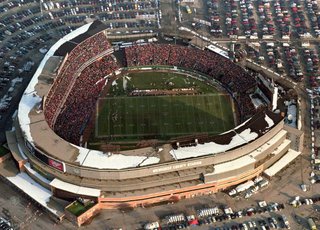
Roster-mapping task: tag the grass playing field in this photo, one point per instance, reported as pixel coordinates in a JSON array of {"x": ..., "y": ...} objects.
[
  {"x": 122, "y": 118},
  {"x": 163, "y": 116},
  {"x": 158, "y": 80}
]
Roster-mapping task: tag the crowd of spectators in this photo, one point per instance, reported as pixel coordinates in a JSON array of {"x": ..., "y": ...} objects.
[
  {"x": 82, "y": 53},
  {"x": 232, "y": 76},
  {"x": 82, "y": 99},
  {"x": 214, "y": 65},
  {"x": 75, "y": 91}
]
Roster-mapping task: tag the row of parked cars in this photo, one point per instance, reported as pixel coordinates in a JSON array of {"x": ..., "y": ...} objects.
[
  {"x": 298, "y": 18},
  {"x": 293, "y": 65},
  {"x": 248, "y": 21},
  {"x": 10, "y": 5},
  {"x": 298, "y": 201},
  {"x": 124, "y": 14},
  {"x": 266, "y": 18},
  {"x": 231, "y": 17},
  {"x": 314, "y": 15},
  {"x": 215, "y": 215},
  {"x": 215, "y": 17},
  {"x": 282, "y": 16},
  {"x": 30, "y": 19},
  {"x": 261, "y": 223}
]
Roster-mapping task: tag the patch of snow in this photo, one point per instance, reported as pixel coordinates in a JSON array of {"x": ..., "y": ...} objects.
[
  {"x": 30, "y": 98},
  {"x": 100, "y": 160},
  {"x": 269, "y": 121},
  {"x": 83, "y": 152},
  {"x": 42, "y": 195},
  {"x": 212, "y": 148}
]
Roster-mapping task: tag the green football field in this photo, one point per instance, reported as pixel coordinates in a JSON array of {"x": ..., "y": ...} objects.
[{"x": 163, "y": 116}]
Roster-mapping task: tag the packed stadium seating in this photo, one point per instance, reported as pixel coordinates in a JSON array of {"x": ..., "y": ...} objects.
[
  {"x": 204, "y": 61},
  {"x": 82, "y": 53},
  {"x": 72, "y": 95},
  {"x": 82, "y": 99},
  {"x": 232, "y": 76},
  {"x": 79, "y": 82}
]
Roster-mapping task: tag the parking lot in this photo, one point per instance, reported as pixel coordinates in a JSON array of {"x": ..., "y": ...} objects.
[{"x": 268, "y": 32}]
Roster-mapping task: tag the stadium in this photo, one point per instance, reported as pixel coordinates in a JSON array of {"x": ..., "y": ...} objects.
[{"x": 144, "y": 124}]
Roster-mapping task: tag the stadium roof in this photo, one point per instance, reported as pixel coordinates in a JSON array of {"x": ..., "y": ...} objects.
[{"x": 33, "y": 189}]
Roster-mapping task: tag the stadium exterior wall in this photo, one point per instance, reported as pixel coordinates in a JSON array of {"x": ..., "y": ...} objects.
[
  {"x": 271, "y": 146},
  {"x": 153, "y": 170},
  {"x": 171, "y": 166},
  {"x": 274, "y": 159},
  {"x": 230, "y": 173},
  {"x": 250, "y": 169},
  {"x": 183, "y": 193}
]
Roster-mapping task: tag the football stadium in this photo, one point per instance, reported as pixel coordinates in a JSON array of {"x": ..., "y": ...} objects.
[{"x": 144, "y": 124}]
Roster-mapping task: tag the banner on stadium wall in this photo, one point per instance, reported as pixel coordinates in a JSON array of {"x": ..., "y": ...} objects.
[
  {"x": 57, "y": 164},
  {"x": 49, "y": 161}
]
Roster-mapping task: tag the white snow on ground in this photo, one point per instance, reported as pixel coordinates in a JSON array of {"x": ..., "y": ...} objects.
[
  {"x": 212, "y": 148},
  {"x": 100, "y": 160},
  {"x": 269, "y": 121},
  {"x": 33, "y": 189},
  {"x": 29, "y": 98}
]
